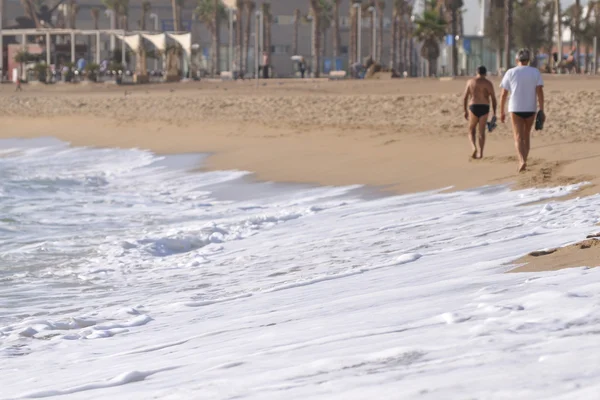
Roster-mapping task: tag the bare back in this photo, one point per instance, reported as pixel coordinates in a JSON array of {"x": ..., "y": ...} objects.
[{"x": 480, "y": 90}]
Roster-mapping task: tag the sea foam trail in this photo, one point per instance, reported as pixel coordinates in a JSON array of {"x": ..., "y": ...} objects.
[{"x": 119, "y": 260}]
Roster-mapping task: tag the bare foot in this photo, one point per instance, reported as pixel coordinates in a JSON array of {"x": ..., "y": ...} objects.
[
  {"x": 523, "y": 167},
  {"x": 474, "y": 155}
]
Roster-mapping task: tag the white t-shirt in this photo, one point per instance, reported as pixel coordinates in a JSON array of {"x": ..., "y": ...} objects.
[{"x": 522, "y": 82}]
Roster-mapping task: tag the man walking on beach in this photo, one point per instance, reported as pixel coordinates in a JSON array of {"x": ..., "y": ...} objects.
[
  {"x": 525, "y": 85},
  {"x": 480, "y": 90}
]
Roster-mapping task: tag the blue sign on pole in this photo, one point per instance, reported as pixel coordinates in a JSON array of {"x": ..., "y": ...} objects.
[
  {"x": 467, "y": 45},
  {"x": 449, "y": 40},
  {"x": 326, "y": 66}
]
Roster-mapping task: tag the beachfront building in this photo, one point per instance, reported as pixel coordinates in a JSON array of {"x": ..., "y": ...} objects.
[{"x": 160, "y": 18}]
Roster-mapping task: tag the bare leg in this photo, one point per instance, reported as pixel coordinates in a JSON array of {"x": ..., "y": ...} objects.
[
  {"x": 472, "y": 132},
  {"x": 518, "y": 124},
  {"x": 527, "y": 136},
  {"x": 481, "y": 134}
]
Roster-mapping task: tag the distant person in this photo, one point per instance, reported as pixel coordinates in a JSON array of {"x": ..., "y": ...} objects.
[
  {"x": 525, "y": 85},
  {"x": 302, "y": 66},
  {"x": 265, "y": 65},
  {"x": 479, "y": 90},
  {"x": 18, "y": 88}
]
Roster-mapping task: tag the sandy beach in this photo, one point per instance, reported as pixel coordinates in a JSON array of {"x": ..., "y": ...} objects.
[{"x": 400, "y": 135}]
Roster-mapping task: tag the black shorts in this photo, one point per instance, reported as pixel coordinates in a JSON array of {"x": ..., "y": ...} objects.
[
  {"x": 479, "y": 110},
  {"x": 524, "y": 115}
]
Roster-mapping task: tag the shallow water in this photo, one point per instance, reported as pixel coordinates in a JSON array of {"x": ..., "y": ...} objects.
[{"x": 128, "y": 275}]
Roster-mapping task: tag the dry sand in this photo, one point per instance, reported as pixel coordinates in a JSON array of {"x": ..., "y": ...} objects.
[{"x": 400, "y": 135}]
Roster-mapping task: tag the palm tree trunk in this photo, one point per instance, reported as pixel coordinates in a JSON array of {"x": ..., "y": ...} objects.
[
  {"x": 559, "y": 47},
  {"x": 380, "y": 6},
  {"x": 353, "y": 36},
  {"x": 216, "y": 39},
  {"x": 394, "y": 41},
  {"x": 372, "y": 41},
  {"x": 508, "y": 16},
  {"x": 267, "y": 37},
  {"x": 400, "y": 43},
  {"x": 297, "y": 17},
  {"x": 336, "y": 31},
  {"x": 249, "y": 13},
  {"x": 454, "y": 44},
  {"x": 577, "y": 38},
  {"x": 239, "y": 36},
  {"x": 316, "y": 38},
  {"x": 175, "y": 9}
]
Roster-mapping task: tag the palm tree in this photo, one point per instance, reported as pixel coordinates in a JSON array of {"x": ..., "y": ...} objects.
[
  {"x": 297, "y": 19},
  {"x": 380, "y": 10},
  {"x": 74, "y": 10},
  {"x": 494, "y": 29},
  {"x": 593, "y": 28},
  {"x": 239, "y": 27},
  {"x": 146, "y": 8},
  {"x": 508, "y": 24},
  {"x": 352, "y": 53},
  {"x": 315, "y": 11},
  {"x": 210, "y": 13},
  {"x": 587, "y": 40},
  {"x": 396, "y": 13},
  {"x": 336, "y": 30},
  {"x": 559, "y": 46},
  {"x": 454, "y": 6},
  {"x": 268, "y": 19},
  {"x": 176, "y": 8},
  {"x": 249, "y": 6},
  {"x": 578, "y": 11},
  {"x": 529, "y": 30},
  {"x": 431, "y": 29},
  {"x": 372, "y": 45},
  {"x": 95, "y": 13}
]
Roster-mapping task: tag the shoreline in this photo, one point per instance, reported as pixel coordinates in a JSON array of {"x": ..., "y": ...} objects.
[{"x": 397, "y": 136}]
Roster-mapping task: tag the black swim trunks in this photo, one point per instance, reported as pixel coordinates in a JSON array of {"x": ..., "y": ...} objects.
[
  {"x": 524, "y": 115},
  {"x": 479, "y": 110}
]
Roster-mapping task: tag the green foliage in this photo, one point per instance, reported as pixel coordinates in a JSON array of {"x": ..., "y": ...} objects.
[
  {"x": 431, "y": 29},
  {"x": 494, "y": 24},
  {"x": 23, "y": 57},
  {"x": 205, "y": 12},
  {"x": 116, "y": 66},
  {"x": 40, "y": 68},
  {"x": 92, "y": 67},
  {"x": 529, "y": 25}
]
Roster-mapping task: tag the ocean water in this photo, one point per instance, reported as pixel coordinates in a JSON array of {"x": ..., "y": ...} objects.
[{"x": 126, "y": 275}]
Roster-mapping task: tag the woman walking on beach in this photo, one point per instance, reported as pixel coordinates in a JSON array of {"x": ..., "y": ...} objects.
[{"x": 525, "y": 85}]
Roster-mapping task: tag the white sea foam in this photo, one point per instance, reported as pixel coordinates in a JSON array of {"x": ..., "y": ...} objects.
[{"x": 127, "y": 275}]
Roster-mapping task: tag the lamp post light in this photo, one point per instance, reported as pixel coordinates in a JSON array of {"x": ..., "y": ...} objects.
[{"x": 359, "y": 44}]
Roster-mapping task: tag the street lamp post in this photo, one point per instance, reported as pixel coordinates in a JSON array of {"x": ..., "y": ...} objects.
[
  {"x": 231, "y": 39},
  {"x": 111, "y": 14},
  {"x": 359, "y": 44},
  {"x": 373, "y": 11},
  {"x": 154, "y": 17},
  {"x": 257, "y": 40}
]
